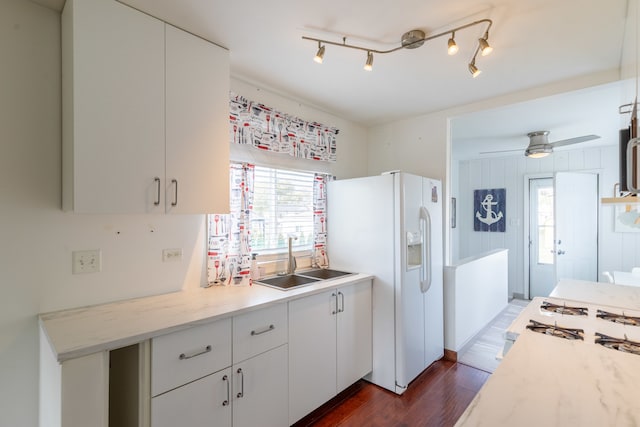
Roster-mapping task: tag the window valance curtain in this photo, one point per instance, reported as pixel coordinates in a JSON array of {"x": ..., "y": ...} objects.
[{"x": 264, "y": 128}]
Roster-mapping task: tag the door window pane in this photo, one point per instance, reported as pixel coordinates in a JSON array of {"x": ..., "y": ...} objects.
[{"x": 545, "y": 225}]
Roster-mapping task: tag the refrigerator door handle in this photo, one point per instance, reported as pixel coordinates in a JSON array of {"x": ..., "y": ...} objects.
[{"x": 425, "y": 271}]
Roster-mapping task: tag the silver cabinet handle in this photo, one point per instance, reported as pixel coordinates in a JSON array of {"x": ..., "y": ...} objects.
[
  {"x": 157, "y": 180},
  {"x": 336, "y": 297},
  {"x": 175, "y": 193},
  {"x": 263, "y": 331},
  {"x": 184, "y": 356},
  {"x": 241, "y": 392},
  {"x": 341, "y": 309},
  {"x": 226, "y": 402}
]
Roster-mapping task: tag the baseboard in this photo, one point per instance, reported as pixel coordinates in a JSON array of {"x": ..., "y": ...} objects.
[
  {"x": 517, "y": 296},
  {"x": 450, "y": 355}
]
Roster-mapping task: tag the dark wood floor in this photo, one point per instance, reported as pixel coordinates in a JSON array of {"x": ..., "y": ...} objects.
[{"x": 436, "y": 398}]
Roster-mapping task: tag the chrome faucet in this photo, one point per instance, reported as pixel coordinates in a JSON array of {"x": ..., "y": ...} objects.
[{"x": 292, "y": 260}]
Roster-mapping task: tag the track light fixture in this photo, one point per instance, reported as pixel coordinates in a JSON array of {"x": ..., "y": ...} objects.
[
  {"x": 452, "y": 47},
  {"x": 368, "y": 66},
  {"x": 414, "y": 39},
  {"x": 485, "y": 49},
  {"x": 320, "y": 54},
  {"x": 475, "y": 72}
]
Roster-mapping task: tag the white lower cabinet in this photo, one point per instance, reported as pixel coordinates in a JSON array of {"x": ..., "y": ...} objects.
[
  {"x": 204, "y": 402},
  {"x": 329, "y": 345},
  {"x": 250, "y": 384},
  {"x": 260, "y": 392}
]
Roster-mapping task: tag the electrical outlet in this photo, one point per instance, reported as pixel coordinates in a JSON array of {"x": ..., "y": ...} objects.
[
  {"x": 172, "y": 255},
  {"x": 86, "y": 261}
]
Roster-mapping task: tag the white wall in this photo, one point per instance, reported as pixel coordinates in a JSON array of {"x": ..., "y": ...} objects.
[
  {"x": 617, "y": 251},
  {"x": 37, "y": 238}
]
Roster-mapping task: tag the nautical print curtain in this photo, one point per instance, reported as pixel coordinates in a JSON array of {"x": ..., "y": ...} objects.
[
  {"x": 266, "y": 129},
  {"x": 320, "y": 258},
  {"x": 229, "y": 246}
]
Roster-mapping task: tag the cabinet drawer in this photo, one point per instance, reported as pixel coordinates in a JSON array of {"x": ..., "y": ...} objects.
[
  {"x": 184, "y": 356},
  {"x": 259, "y": 331}
]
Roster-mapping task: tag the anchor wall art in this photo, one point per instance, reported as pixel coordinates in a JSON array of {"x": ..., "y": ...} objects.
[{"x": 489, "y": 213}]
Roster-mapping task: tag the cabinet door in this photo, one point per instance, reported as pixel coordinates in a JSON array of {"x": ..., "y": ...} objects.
[
  {"x": 113, "y": 108},
  {"x": 202, "y": 403},
  {"x": 262, "y": 380},
  {"x": 312, "y": 353},
  {"x": 197, "y": 124},
  {"x": 354, "y": 334}
]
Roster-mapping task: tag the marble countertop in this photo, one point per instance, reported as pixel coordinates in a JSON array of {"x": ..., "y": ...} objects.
[
  {"x": 598, "y": 293},
  {"x": 548, "y": 381},
  {"x": 81, "y": 331}
]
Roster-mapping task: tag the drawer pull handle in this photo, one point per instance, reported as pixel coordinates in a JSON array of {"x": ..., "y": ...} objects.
[
  {"x": 157, "y": 181},
  {"x": 226, "y": 402},
  {"x": 263, "y": 331},
  {"x": 241, "y": 393},
  {"x": 183, "y": 356},
  {"x": 175, "y": 193}
]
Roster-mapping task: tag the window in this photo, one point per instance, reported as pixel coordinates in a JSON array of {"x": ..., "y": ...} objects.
[
  {"x": 545, "y": 225},
  {"x": 282, "y": 205}
]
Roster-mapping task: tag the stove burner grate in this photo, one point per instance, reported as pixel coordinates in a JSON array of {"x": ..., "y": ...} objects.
[
  {"x": 556, "y": 331},
  {"x": 564, "y": 309},
  {"x": 618, "y": 318},
  {"x": 620, "y": 344}
]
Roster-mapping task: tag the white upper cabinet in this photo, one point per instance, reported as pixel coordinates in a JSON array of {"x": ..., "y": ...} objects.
[
  {"x": 197, "y": 130},
  {"x": 145, "y": 110}
]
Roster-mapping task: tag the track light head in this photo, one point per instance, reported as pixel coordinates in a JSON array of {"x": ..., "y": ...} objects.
[
  {"x": 452, "y": 46},
  {"x": 320, "y": 54},
  {"x": 485, "y": 48},
  {"x": 368, "y": 66},
  {"x": 475, "y": 72}
]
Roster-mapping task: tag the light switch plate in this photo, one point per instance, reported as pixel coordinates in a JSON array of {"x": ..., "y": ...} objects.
[{"x": 88, "y": 261}]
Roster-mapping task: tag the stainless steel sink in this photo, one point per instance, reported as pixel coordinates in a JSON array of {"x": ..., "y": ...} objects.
[
  {"x": 287, "y": 282},
  {"x": 323, "y": 273},
  {"x": 302, "y": 278}
]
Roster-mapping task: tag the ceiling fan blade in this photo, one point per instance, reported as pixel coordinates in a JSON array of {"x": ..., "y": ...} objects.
[
  {"x": 502, "y": 151},
  {"x": 575, "y": 140}
]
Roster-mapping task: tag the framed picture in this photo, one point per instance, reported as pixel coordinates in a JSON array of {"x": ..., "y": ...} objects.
[
  {"x": 489, "y": 210},
  {"x": 627, "y": 218}
]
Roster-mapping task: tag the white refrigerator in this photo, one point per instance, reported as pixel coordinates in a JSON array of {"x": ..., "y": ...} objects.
[{"x": 390, "y": 226}]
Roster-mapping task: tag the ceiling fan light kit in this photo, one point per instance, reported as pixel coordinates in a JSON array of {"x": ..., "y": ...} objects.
[
  {"x": 539, "y": 145},
  {"x": 414, "y": 39}
]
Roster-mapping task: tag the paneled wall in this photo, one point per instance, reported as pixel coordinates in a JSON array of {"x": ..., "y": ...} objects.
[{"x": 617, "y": 251}]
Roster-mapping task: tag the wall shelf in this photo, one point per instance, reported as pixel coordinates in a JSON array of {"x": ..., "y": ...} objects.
[{"x": 620, "y": 200}]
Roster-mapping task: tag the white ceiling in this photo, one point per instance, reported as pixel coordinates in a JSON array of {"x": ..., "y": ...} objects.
[{"x": 536, "y": 43}]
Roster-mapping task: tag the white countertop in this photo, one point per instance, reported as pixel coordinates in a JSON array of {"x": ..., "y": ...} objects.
[
  {"x": 549, "y": 381},
  {"x": 598, "y": 293},
  {"x": 78, "y": 332}
]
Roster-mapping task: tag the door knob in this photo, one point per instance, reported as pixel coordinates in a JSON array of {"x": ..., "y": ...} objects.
[{"x": 560, "y": 252}]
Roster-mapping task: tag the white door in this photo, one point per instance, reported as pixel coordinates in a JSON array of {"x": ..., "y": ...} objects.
[
  {"x": 197, "y": 123},
  {"x": 196, "y": 404},
  {"x": 312, "y": 353},
  {"x": 410, "y": 318},
  {"x": 354, "y": 334},
  {"x": 541, "y": 237},
  {"x": 576, "y": 211},
  {"x": 262, "y": 382}
]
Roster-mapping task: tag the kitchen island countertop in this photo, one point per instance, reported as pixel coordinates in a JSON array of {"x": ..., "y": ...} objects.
[
  {"x": 545, "y": 380},
  {"x": 78, "y": 332}
]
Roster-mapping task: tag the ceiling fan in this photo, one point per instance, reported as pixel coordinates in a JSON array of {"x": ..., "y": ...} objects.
[{"x": 539, "y": 145}]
